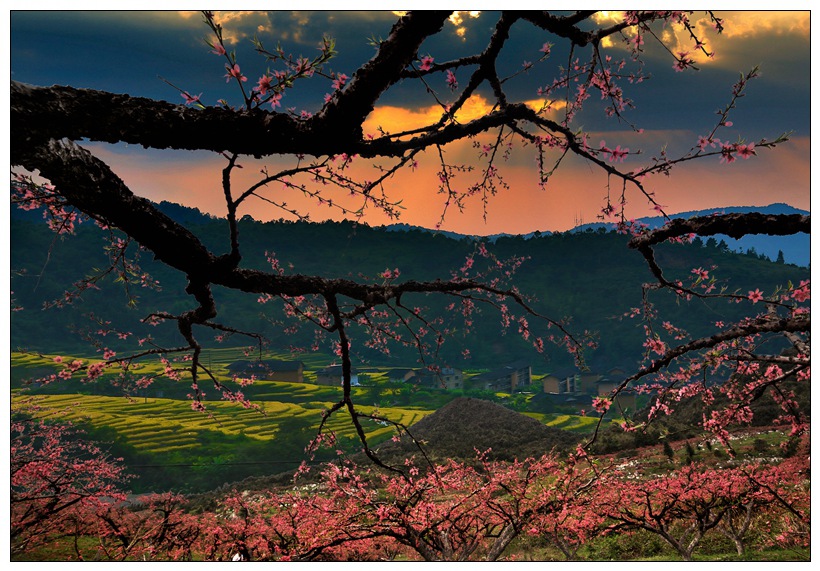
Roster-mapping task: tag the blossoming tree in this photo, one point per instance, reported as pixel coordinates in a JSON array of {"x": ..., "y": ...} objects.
[{"x": 55, "y": 476}]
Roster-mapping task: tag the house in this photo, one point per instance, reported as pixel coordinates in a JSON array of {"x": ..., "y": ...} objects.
[
  {"x": 561, "y": 384},
  {"x": 332, "y": 376},
  {"x": 580, "y": 388},
  {"x": 448, "y": 378},
  {"x": 272, "y": 369},
  {"x": 587, "y": 382},
  {"x": 512, "y": 377},
  {"x": 551, "y": 383},
  {"x": 625, "y": 401},
  {"x": 453, "y": 379}
]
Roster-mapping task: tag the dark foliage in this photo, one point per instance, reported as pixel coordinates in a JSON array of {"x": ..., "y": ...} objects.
[{"x": 591, "y": 276}]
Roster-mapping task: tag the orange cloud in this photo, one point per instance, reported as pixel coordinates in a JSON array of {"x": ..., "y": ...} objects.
[
  {"x": 399, "y": 119},
  {"x": 575, "y": 193},
  {"x": 753, "y": 24},
  {"x": 737, "y": 25},
  {"x": 394, "y": 119}
]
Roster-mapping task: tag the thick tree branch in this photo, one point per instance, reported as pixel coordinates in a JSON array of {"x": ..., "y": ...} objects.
[
  {"x": 344, "y": 115},
  {"x": 88, "y": 183},
  {"x": 734, "y": 225},
  {"x": 43, "y": 113}
]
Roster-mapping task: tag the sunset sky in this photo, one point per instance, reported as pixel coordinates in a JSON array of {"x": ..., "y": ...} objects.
[{"x": 132, "y": 52}]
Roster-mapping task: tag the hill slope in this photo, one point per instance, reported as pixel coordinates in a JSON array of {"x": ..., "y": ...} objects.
[
  {"x": 591, "y": 277},
  {"x": 467, "y": 425}
]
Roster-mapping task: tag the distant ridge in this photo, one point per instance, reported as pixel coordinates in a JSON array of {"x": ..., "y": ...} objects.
[
  {"x": 796, "y": 248},
  {"x": 658, "y": 221}
]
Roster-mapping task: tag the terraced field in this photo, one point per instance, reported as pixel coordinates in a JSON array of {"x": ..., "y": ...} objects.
[
  {"x": 572, "y": 422},
  {"x": 165, "y": 425}
]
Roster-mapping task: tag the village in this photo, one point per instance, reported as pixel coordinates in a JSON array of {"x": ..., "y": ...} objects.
[{"x": 570, "y": 388}]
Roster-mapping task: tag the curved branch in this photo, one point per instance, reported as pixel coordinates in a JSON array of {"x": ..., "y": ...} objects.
[
  {"x": 39, "y": 114},
  {"x": 90, "y": 185},
  {"x": 734, "y": 225},
  {"x": 761, "y": 325}
]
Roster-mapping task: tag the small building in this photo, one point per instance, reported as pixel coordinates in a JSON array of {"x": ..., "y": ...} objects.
[
  {"x": 551, "y": 383},
  {"x": 562, "y": 383},
  {"x": 581, "y": 388},
  {"x": 452, "y": 378},
  {"x": 448, "y": 378},
  {"x": 333, "y": 376},
  {"x": 625, "y": 401},
  {"x": 513, "y": 377},
  {"x": 271, "y": 369},
  {"x": 587, "y": 382}
]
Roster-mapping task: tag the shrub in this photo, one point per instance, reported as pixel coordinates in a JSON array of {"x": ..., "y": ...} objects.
[{"x": 626, "y": 546}]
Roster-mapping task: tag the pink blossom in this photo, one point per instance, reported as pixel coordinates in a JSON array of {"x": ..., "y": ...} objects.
[
  {"x": 726, "y": 155},
  {"x": 452, "y": 83},
  {"x": 304, "y": 67},
  {"x": 190, "y": 98},
  {"x": 426, "y": 63},
  {"x": 755, "y": 296},
  {"x": 655, "y": 345},
  {"x": 701, "y": 273},
  {"x": 618, "y": 154},
  {"x": 683, "y": 61},
  {"x": 264, "y": 84},
  {"x": 601, "y": 404},
  {"x": 235, "y": 73},
  {"x": 276, "y": 100},
  {"x": 802, "y": 293},
  {"x": 219, "y": 50},
  {"x": 340, "y": 80},
  {"x": 746, "y": 151}
]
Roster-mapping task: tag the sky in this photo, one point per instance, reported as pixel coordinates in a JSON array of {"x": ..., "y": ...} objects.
[{"x": 155, "y": 54}]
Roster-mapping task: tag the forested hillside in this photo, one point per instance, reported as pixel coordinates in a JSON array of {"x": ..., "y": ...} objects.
[{"x": 591, "y": 278}]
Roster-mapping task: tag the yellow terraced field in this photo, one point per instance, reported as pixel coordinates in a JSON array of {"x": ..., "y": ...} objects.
[
  {"x": 162, "y": 424},
  {"x": 570, "y": 421}
]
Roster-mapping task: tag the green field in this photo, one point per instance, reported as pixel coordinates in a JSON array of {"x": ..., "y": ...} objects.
[
  {"x": 160, "y": 435},
  {"x": 164, "y": 425}
]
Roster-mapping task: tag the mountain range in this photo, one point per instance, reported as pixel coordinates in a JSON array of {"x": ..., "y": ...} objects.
[{"x": 796, "y": 249}]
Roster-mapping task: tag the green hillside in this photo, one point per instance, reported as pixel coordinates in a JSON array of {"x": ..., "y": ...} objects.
[{"x": 592, "y": 278}]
